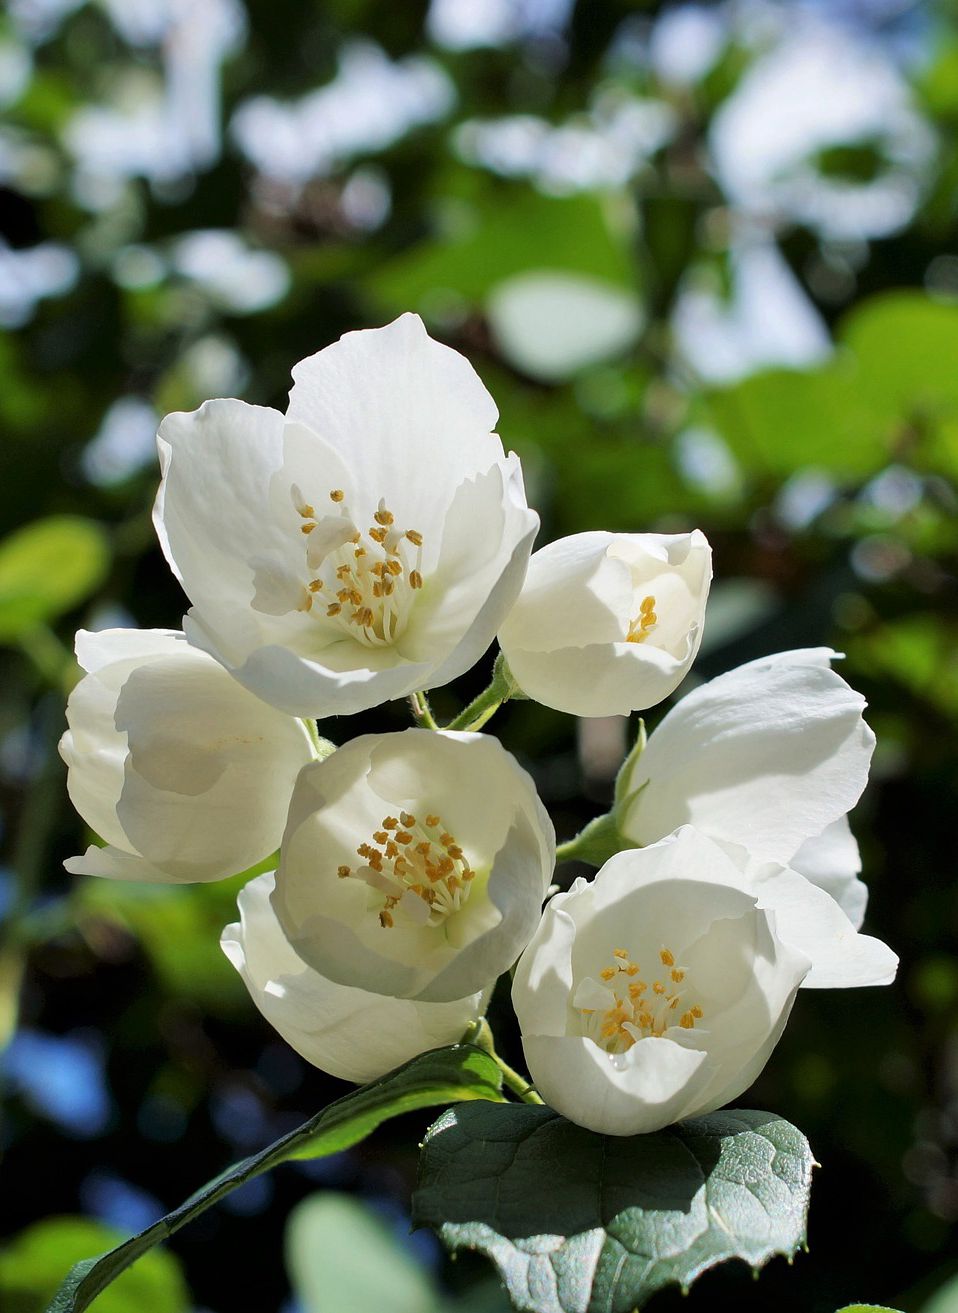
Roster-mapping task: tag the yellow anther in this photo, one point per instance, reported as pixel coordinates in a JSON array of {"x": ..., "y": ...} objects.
[
  {"x": 307, "y": 511},
  {"x": 432, "y": 822},
  {"x": 315, "y": 585},
  {"x": 687, "y": 1020},
  {"x": 385, "y": 919},
  {"x": 360, "y": 551},
  {"x": 333, "y": 609},
  {"x": 678, "y": 975},
  {"x": 667, "y": 958},
  {"x": 414, "y": 537},
  {"x": 390, "y": 822},
  {"x": 697, "y": 1013},
  {"x": 380, "y": 836},
  {"x": 415, "y": 579},
  {"x": 378, "y": 535},
  {"x": 658, "y": 987},
  {"x": 632, "y": 969},
  {"x": 403, "y": 836},
  {"x": 623, "y": 953},
  {"x": 406, "y": 819},
  {"x": 382, "y": 516},
  {"x": 342, "y": 872},
  {"x": 394, "y": 567},
  {"x": 607, "y": 973},
  {"x": 337, "y": 495},
  {"x": 308, "y": 527},
  {"x": 392, "y": 849},
  {"x": 424, "y": 849},
  {"x": 648, "y": 606}
]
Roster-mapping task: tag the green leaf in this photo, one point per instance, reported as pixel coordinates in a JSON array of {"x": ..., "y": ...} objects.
[
  {"x": 341, "y": 1258},
  {"x": 582, "y": 1223},
  {"x": 442, "y": 1076},
  {"x": 30, "y": 1263},
  {"x": 47, "y": 568},
  {"x": 867, "y": 1308},
  {"x": 511, "y": 231}
]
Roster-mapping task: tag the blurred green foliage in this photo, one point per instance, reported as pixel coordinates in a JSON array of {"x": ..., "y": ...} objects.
[{"x": 180, "y": 218}]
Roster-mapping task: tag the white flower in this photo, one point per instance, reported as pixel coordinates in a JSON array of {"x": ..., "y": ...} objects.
[
  {"x": 185, "y": 774},
  {"x": 365, "y": 545},
  {"x": 608, "y": 623},
  {"x": 657, "y": 991},
  {"x": 414, "y": 864},
  {"x": 347, "y": 1032},
  {"x": 772, "y": 756}
]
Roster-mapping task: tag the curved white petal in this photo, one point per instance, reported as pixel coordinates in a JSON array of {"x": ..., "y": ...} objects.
[
  {"x": 832, "y": 861},
  {"x": 766, "y": 756},
  {"x": 350, "y": 1033},
  {"x": 184, "y": 773}
]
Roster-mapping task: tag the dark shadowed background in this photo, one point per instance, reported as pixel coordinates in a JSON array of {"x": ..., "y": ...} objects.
[{"x": 705, "y": 258}]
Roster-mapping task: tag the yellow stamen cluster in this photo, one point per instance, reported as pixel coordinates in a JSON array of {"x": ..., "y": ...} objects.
[
  {"x": 412, "y": 857},
  {"x": 366, "y": 584},
  {"x": 644, "y": 622},
  {"x": 641, "y": 1008}
]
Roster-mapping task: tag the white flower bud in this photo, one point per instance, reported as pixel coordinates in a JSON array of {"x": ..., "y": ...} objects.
[
  {"x": 608, "y": 623},
  {"x": 414, "y": 864},
  {"x": 657, "y": 991},
  {"x": 184, "y": 773}
]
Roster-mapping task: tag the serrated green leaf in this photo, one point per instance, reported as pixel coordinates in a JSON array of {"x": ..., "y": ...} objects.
[
  {"x": 47, "y": 568},
  {"x": 30, "y": 1261},
  {"x": 441, "y": 1076},
  {"x": 582, "y": 1223},
  {"x": 867, "y": 1308}
]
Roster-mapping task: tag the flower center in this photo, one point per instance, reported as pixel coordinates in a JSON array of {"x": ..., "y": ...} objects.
[
  {"x": 639, "y": 1009},
  {"x": 644, "y": 622},
  {"x": 417, "y": 866},
  {"x": 365, "y": 580}
]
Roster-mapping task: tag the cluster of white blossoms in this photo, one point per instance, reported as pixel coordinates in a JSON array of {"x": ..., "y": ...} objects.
[{"x": 371, "y": 544}]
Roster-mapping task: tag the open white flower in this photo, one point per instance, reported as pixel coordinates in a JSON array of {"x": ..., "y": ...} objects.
[
  {"x": 414, "y": 864},
  {"x": 608, "y": 623},
  {"x": 771, "y": 756},
  {"x": 185, "y": 774},
  {"x": 365, "y": 545},
  {"x": 347, "y": 1032},
  {"x": 655, "y": 992}
]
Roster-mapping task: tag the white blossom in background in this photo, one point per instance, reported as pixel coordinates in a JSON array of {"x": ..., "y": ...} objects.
[
  {"x": 162, "y": 129},
  {"x": 372, "y": 102},
  {"x": 766, "y": 319},
  {"x": 185, "y": 775},
  {"x": 821, "y": 86},
  {"x": 605, "y": 146},
  {"x": 608, "y": 623},
  {"x": 469, "y": 24},
  {"x": 30, "y": 275},
  {"x": 414, "y": 864},
  {"x": 364, "y": 546},
  {"x": 655, "y": 992},
  {"x": 771, "y": 756},
  {"x": 350, "y": 1033},
  {"x": 236, "y": 277}
]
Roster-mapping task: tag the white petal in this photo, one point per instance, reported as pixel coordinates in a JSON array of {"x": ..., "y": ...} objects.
[
  {"x": 811, "y": 921},
  {"x": 351, "y": 1034},
  {"x": 765, "y": 756},
  {"x": 410, "y": 416},
  {"x": 832, "y": 861},
  {"x": 642, "y": 1091}
]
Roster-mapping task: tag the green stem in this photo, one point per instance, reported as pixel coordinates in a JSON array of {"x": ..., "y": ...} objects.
[
  {"x": 595, "y": 843},
  {"x": 421, "y": 711},
  {"x": 484, "y": 707},
  {"x": 481, "y": 1035}
]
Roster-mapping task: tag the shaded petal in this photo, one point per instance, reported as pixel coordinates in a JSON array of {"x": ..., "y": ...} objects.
[
  {"x": 766, "y": 756},
  {"x": 832, "y": 861},
  {"x": 352, "y": 1034}
]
